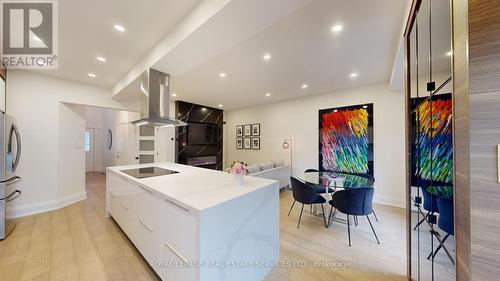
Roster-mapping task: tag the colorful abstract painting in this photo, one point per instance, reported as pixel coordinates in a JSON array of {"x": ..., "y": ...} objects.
[
  {"x": 433, "y": 142},
  {"x": 346, "y": 140}
]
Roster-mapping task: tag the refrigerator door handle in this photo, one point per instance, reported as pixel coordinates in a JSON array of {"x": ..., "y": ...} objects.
[
  {"x": 15, "y": 130},
  {"x": 9, "y": 181},
  {"x": 14, "y": 195}
]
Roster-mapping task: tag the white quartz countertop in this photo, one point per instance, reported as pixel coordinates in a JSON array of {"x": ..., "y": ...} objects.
[{"x": 195, "y": 188}]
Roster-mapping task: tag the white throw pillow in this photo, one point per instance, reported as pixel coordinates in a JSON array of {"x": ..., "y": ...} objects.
[{"x": 252, "y": 169}]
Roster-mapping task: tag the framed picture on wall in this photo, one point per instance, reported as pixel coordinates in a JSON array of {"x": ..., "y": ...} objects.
[
  {"x": 247, "y": 143},
  {"x": 247, "y": 130},
  {"x": 239, "y": 143},
  {"x": 256, "y": 129},
  {"x": 256, "y": 143},
  {"x": 239, "y": 130}
]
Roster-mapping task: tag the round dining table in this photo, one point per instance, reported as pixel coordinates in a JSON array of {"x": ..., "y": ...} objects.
[{"x": 336, "y": 181}]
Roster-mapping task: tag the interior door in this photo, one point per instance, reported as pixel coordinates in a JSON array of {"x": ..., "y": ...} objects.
[
  {"x": 165, "y": 144},
  {"x": 89, "y": 150},
  {"x": 127, "y": 151}
]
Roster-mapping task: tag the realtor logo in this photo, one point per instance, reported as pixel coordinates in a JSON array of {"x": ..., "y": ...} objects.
[{"x": 29, "y": 34}]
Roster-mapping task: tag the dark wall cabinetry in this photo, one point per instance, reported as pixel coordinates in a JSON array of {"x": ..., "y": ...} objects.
[{"x": 201, "y": 142}]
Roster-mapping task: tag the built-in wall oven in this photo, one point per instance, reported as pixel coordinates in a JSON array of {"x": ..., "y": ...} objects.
[{"x": 10, "y": 153}]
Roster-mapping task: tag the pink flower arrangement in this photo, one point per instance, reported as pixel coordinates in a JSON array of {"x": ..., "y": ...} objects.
[{"x": 238, "y": 168}]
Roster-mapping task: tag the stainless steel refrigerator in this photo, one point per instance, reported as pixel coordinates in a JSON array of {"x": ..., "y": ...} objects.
[{"x": 10, "y": 153}]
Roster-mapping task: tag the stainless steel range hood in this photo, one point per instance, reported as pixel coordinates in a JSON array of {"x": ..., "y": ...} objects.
[{"x": 155, "y": 108}]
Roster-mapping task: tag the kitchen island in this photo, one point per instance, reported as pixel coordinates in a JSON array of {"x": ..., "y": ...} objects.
[{"x": 195, "y": 224}]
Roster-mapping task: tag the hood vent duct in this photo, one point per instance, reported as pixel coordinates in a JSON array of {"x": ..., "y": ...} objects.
[{"x": 155, "y": 111}]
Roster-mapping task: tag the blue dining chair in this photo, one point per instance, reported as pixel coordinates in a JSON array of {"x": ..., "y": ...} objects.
[
  {"x": 445, "y": 221},
  {"x": 305, "y": 194},
  {"x": 430, "y": 205},
  {"x": 354, "y": 202}
]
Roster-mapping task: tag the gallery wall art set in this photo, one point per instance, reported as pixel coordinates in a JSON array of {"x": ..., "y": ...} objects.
[{"x": 248, "y": 136}]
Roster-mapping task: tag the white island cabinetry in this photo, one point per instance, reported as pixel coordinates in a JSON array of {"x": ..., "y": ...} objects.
[{"x": 196, "y": 225}]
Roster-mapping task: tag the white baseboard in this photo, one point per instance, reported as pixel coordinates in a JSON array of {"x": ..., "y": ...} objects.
[
  {"x": 47, "y": 206},
  {"x": 389, "y": 201}
]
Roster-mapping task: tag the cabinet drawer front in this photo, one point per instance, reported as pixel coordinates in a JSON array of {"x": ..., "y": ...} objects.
[
  {"x": 171, "y": 266},
  {"x": 178, "y": 228},
  {"x": 145, "y": 241},
  {"x": 119, "y": 213},
  {"x": 148, "y": 210},
  {"x": 124, "y": 190}
]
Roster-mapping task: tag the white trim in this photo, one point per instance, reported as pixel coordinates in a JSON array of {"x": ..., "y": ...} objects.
[
  {"x": 389, "y": 201},
  {"x": 31, "y": 209}
]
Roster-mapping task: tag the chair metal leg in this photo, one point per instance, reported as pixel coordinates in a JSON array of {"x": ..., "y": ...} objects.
[
  {"x": 355, "y": 220},
  {"x": 324, "y": 217},
  {"x": 310, "y": 209},
  {"x": 438, "y": 248},
  {"x": 375, "y": 215},
  {"x": 420, "y": 222},
  {"x": 374, "y": 233},
  {"x": 330, "y": 217},
  {"x": 349, "y": 230},
  {"x": 300, "y": 217},
  {"x": 291, "y": 207}
]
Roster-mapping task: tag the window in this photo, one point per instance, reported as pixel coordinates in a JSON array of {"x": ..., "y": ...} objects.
[{"x": 87, "y": 141}]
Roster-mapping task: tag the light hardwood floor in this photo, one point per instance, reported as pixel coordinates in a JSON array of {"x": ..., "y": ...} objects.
[{"x": 79, "y": 243}]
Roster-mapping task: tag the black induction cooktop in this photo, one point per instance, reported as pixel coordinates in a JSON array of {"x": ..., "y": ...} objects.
[{"x": 148, "y": 172}]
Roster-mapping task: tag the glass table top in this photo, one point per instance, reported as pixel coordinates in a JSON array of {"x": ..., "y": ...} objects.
[{"x": 336, "y": 179}]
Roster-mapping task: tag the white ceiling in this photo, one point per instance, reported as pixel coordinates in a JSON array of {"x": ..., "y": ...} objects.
[
  {"x": 304, "y": 50},
  {"x": 86, "y": 31},
  {"x": 231, "y": 36}
]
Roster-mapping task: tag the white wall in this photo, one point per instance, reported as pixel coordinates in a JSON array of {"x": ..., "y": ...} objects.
[
  {"x": 52, "y": 162},
  {"x": 298, "y": 119}
]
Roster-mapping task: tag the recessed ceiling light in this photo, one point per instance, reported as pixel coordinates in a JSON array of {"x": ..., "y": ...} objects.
[
  {"x": 337, "y": 28},
  {"x": 92, "y": 75},
  {"x": 304, "y": 86},
  {"x": 220, "y": 105},
  {"x": 268, "y": 94},
  {"x": 266, "y": 57},
  {"x": 449, "y": 53},
  {"x": 222, "y": 75},
  {"x": 119, "y": 28},
  {"x": 353, "y": 75},
  {"x": 174, "y": 94},
  {"x": 101, "y": 59}
]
